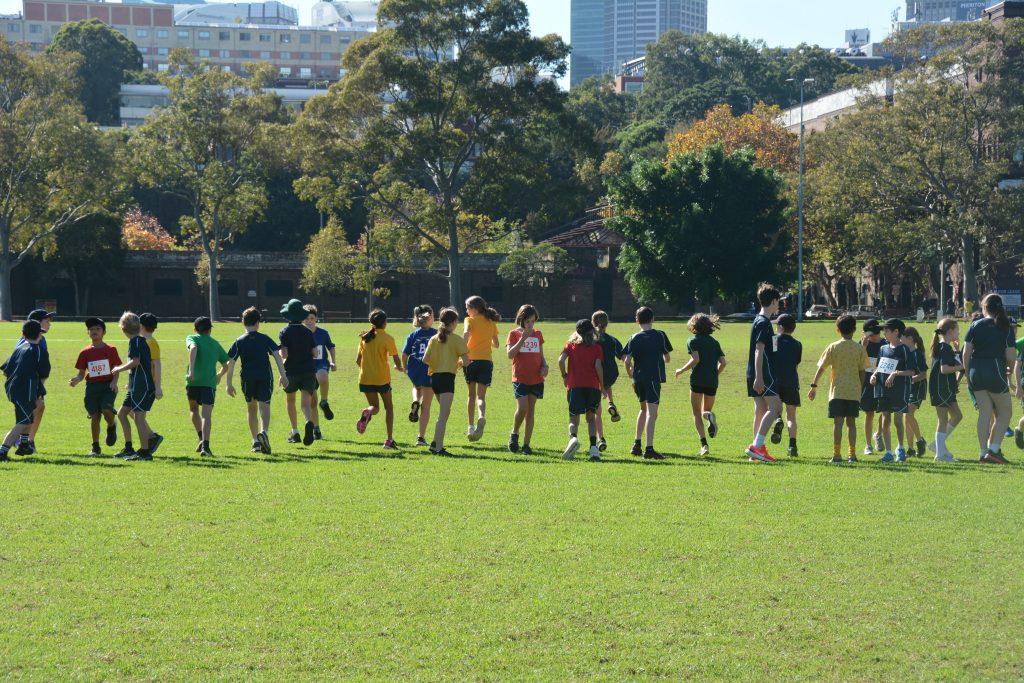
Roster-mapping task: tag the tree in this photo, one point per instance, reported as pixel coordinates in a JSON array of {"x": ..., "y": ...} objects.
[
  {"x": 55, "y": 170},
  {"x": 682, "y": 222},
  {"x": 428, "y": 111},
  {"x": 207, "y": 148},
  {"x": 141, "y": 231},
  {"x": 90, "y": 255},
  {"x": 539, "y": 265},
  {"x": 774, "y": 146},
  {"x": 107, "y": 57}
]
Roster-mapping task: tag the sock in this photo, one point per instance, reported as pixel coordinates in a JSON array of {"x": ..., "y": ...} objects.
[
  {"x": 4, "y": 449},
  {"x": 593, "y": 441},
  {"x": 703, "y": 441},
  {"x": 23, "y": 439},
  {"x": 852, "y": 451},
  {"x": 128, "y": 445},
  {"x": 940, "y": 443},
  {"x": 759, "y": 440},
  {"x": 996, "y": 444},
  {"x": 836, "y": 448},
  {"x": 514, "y": 435},
  {"x": 95, "y": 444},
  {"x": 792, "y": 442},
  {"x": 637, "y": 442},
  {"x": 199, "y": 435}
]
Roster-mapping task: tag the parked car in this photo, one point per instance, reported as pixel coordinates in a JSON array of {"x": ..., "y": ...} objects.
[
  {"x": 864, "y": 312},
  {"x": 819, "y": 312},
  {"x": 745, "y": 315}
]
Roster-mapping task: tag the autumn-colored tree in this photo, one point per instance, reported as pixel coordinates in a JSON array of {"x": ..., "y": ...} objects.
[
  {"x": 775, "y": 147},
  {"x": 141, "y": 231}
]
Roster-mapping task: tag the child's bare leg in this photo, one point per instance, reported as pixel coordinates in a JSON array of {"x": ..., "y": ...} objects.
[
  {"x": 851, "y": 429},
  {"x": 251, "y": 409},
  {"x": 773, "y": 408},
  {"x": 900, "y": 429},
  {"x": 481, "y": 400},
  {"x": 471, "y": 404},
  {"x": 126, "y": 424},
  {"x": 142, "y": 424},
  {"x": 15, "y": 434},
  {"x": 884, "y": 422},
  {"x": 791, "y": 421},
  {"x": 95, "y": 425},
  {"x": 641, "y": 421},
  {"x": 697, "y": 408},
  {"x": 372, "y": 402},
  {"x": 426, "y": 401},
  {"x": 207, "y": 421},
  {"x": 760, "y": 409},
  {"x": 522, "y": 405},
  {"x": 837, "y": 434},
  {"x": 531, "y": 409},
  {"x": 444, "y": 402},
  {"x": 652, "y": 418},
  {"x": 265, "y": 416},
  {"x": 293, "y": 416},
  {"x": 197, "y": 421},
  {"x": 869, "y": 425},
  {"x": 389, "y": 414}
]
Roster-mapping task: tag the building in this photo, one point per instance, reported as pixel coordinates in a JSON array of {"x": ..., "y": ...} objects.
[
  {"x": 139, "y": 101},
  {"x": 608, "y": 33},
  {"x": 935, "y": 11},
  {"x": 229, "y": 35}
]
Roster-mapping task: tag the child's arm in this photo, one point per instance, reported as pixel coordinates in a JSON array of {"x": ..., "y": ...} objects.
[
  {"x": 494, "y": 341},
  {"x": 543, "y": 363},
  {"x": 814, "y": 382},
  {"x": 359, "y": 358},
  {"x": 398, "y": 363},
  {"x": 721, "y": 364},
  {"x": 627, "y": 362},
  {"x": 231, "y": 376},
  {"x": 157, "y": 372},
  {"x": 77, "y": 378},
  {"x": 513, "y": 349},
  {"x": 193, "y": 351},
  {"x": 758, "y": 385},
  {"x": 561, "y": 366},
  {"x": 282, "y": 374},
  {"x": 690, "y": 364},
  {"x": 130, "y": 365},
  {"x": 405, "y": 360}
]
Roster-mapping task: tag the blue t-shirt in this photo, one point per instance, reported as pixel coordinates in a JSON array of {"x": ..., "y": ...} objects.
[
  {"x": 904, "y": 358},
  {"x": 321, "y": 345},
  {"x": 761, "y": 332},
  {"x": 27, "y": 367},
  {"x": 140, "y": 380},
  {"x": 788, "y": 356},
  {"x": 647, "y": 348},
  {"x": 943, "y": 386},
  {"x": 254, "y": 349},
  {"x": 612, "y": 349},
  {"x": 416, "y": 346},
  {"x": 988, "y": 340}
]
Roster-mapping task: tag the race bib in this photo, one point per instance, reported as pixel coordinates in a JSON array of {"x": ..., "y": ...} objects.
[
  {"x": 531, "y": 345},
  {"x": 888, "y": 365},
  {"x": 775, "y": 343},
  {"x": 872, "y": 362},
  {"x": 318, "y": 352},
  {"x": 99, "y": 368}
]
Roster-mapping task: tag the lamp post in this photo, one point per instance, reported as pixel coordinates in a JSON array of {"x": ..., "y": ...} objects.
[{"x": 800, "y": 203}]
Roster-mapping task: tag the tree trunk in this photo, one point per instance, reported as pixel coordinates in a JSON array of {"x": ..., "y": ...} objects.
[
  {"x": 970, "y": 273},
  {"x": 6, "y": 298},
  {"x": 214, "y": 288},
  {"x": 74, "y": 286},
  {"x": 85, "y": 299},
  {"x": 454, "y": 268}
]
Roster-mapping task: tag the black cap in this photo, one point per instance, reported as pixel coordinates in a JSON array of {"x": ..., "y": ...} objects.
[
  {"x": 39, "y": 315},
  {"x": 787, "y": 321},
  {"x": 584, "y": 326},
  {"x": 872, "y": 326},
  {"x": 31, "y": 329},
  {"x": 895, "y": 324},
  {"x": 203, "y": 324},
  {"x": 95, "y": 322},
  {"x": 148, "y": 320}
]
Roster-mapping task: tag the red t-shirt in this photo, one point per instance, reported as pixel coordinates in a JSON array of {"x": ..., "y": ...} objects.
[
  {"x": 582, "y": 373},
  {"x": 98, "y": 363},
  {"x": 527, "y": 363}
]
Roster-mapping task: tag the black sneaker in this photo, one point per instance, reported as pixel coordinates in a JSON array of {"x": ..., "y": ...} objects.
[
  {"x": 294, "y": 438},
  {"x": 440, "y": 452},
  {"x": 614, "y": 412},
  {"x": 420, "y": 441},
  {"x": 637, "y": 449},
  {"x": 792, "y": 452},
  {"x": 126, "y": 452},
  {"x": 317, "y": 436},
  {"x": 853, "y": 459},
  {"x": 4, "y": 458},
  {"x": 433, "y": 445},
  {"x": 1018, "y": 438},
  {"x": 95, "y": 450},
  {"x": 256, "y": 448},
  {"x": 602, "y": 445},
  {"x": 205, "y": 450},
  {"x": 24, "y": 448},
  {"x": 111, "y": 434},
  {"x": 922, "y": 446},
  {"x": 325, "y": 408},
  {"x": 513, "y": 443},
  {"x": 154, "y": 443},
  {"x": 527, "y": 450},
  {"x": 264, "y": 441},
  {"x": 712, "y": 425},
  {"x": 651, "y": 454},
  {"x": 777, "y": 431},
  {"x": 414, "y": 412},
  {"x": 140, "y": 455},
  {"x": 199, "y": 446},
  {"x": 309, "y": 435}
]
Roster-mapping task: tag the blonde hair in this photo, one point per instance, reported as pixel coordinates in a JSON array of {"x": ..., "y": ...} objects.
[{"x": 129, "y": 322}]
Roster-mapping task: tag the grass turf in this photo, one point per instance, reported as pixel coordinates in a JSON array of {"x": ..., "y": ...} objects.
[{"x": 344, "y": 561}]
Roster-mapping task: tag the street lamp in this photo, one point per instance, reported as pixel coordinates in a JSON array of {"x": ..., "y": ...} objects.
[{"x": 800, "y": 202}]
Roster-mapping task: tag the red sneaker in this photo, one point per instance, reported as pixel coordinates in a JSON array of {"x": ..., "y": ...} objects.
[
  {"x": 759, "y": 453},
  {"x": 364, "y": 420}
]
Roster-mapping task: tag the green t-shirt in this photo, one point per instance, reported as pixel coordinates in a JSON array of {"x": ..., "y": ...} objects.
[
  {"x": 210, "y": 353},
  {"x": 709, "y": 350},
  {"x": 1020, "y": 346}
]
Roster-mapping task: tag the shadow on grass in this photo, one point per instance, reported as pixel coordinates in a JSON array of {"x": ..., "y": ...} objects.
[
  {"x": 196, "y": 461},
  {"x": 86, "y": 461}
]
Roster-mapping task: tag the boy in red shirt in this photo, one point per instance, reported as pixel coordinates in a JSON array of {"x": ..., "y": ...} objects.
[
  {"x": 584, "y": 380},
  {"x": 94, "y": 365}
]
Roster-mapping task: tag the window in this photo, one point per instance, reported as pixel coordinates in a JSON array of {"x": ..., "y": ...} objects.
[
  {"x": 325, "y": 56},
  {"x": 183, "y": 35},
  {"x": 224, "y": 35},
  {"x": 492, "y": 294},
  {"x": 305, "y": 72},
  {"x": 14, "y": 28},
  {"x": 325, "y": 40},
  {"x": 285, "y": 38},
  {"x": 204, "y": 35},
  {"x": 224, "y": 54},
  {"x": 162, "y": 33},
  {"x": 307, "y": 55},
  {"x": 229, "y": 287},
  {"x": 277, "y": 288},
  {"x": 264, "y": 37},
  {"x": 226, "y": 68},
  {"x": 204, "y": 53},
  {"x": 244, "y": 54},
  {"x": 286, "y": 55},
  {"x": 264, "y": 55},
  {"x": 144, "y": 50},
  {"x": 161, "y": 67},
  {"x": 305, "y": 38},
  {"x": 246, "y": 37},
  {"x": 35, "y": 28},
  {"x": 167, "y": 286},
  {"x": 161, "y": 51},
  {"x": 285, "y": 71},
  {"x": 142, "y": 32}
]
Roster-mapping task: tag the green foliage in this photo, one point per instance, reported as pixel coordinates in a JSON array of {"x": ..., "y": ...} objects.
[
  {"x": 539, "y": 265},
  {"x": 90, "y": 255},
  {"x": 701, "y": 225},
  {"x": 107, "y": 57}
]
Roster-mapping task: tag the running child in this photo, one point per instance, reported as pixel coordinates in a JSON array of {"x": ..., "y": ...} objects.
[
  {"x": 846, "y": 360},
  {"x": 612, "y": 349},
  {"x": 644, "y": 357},
  {"x": 297, "y": 352},
  {"x": 95, "y": 363},
  {"x": 525, "y": 346},
  {"x": 255, "y": 349},
  {"x": 872, "y": 343},
  {"x": 140, "y": 394},
  {"x": 891, "y": 380},
  {"x": 988, "y": 350},
  {"x": 481, "y": 333},
  {"x": 444, "y": 350},
  {"x": 583, "y": 379},
  {"x": 943, "y": 384},
  {"x": 788, "y": 355},
  {"x": 918, "y": 390},
  {"x": 323, "y": 360},
  {"x": 707, "y": 361},
  {"x": 27, "y": 441},
  {"x": 26, "y": 370},
  {"x": 761, "y": 383},
  {"x": 202, "y": 378},
  {"x": 148, "y": 324},
  {"x": 375, "y": 346},
  {"x": 416, "y": 369}
]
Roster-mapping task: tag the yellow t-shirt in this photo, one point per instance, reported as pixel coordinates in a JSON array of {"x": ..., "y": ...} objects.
[
  {"x": 479, "y": 332},
  {"x": 374, "y": 369},
  {"x": 847, "y": 359},
  {"x": 444, "y": 357},
  {"x": 154, "y": 351}
]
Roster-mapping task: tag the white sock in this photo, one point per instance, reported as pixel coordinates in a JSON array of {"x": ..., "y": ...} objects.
[
  {"x": 996, "y": 444},
  {"x": 940, "y": 443},
  {"x": 759, "y": 440}
]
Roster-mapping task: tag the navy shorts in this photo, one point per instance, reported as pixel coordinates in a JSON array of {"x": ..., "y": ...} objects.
[
  {"x": 443, "y": 382},
  {"x": 706, "y": 390},
  {"x": 769, "y": 388},
  {"x": 892, "y": 404},
  {"x": 519, "y": 390},
  {"x": 868, "y": 402},
  {"x": 375, "y": 388},
  {"x": 257, "y": 390},
  {"x": 204, "y": 396},
  {"x": 302, "y": 382},
  {"x": 944, "y": 401},
  {"x": 790, "y": 396},
  {"x": 23, "y": 411},
  {"x": 611, "y": 375},
  {"x": 479, "y": 372},
  {"x": 418, "y": 374},
  {"x": 139, "y": 403},
  {"x": 838, "y": 407},
  {"x": 987, "y": 374},
  {"x": 99, "y": 397},
  {"x": 584, "y": 400},
  {"x": 648, "y": 392}
]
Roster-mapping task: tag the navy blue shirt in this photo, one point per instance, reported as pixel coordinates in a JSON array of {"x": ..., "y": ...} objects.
[
  {"x": 872, "y": 349},
  {"x": 940, "y": 385},
  {"x": 647, "y": 348},
  {"x": 297, "y": 339},
  {"x": 904, "y": 361},
  {"x": 761, "y": 333},
  {"x": 140, "y": 379},
  {"x": 255, "y": 349},
  {"x": 613, "y": 351},
  {"x": 416, "y": 346},
  {"x": 26, "y": 369},
  {"x": 321, "y": 345},
  {"x": 988, "y": 340},
  {"x": 787, "y": 357}
]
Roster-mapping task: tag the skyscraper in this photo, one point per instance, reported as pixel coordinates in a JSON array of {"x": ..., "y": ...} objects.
[
  {"x": 942, "y": 10},
  {"x": 606, "y": 33}
]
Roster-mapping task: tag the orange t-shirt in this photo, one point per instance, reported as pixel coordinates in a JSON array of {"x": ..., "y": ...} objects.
[
  {"x": 527, "y": 363},
  {"x": 480, "y": 330}
]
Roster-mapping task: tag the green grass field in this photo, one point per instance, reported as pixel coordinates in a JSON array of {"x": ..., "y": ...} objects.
[{"x": 341, "y": 561}]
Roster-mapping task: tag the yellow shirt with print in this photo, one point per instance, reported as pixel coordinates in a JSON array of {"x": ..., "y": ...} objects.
[
  {"x": 480, "y": 330},
  {"x": 847, "y": 360},
  {"x": 444, "y": 357},
  {"x": 374, "y": 369}
]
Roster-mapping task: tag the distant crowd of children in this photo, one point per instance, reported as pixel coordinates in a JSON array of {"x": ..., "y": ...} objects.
[{"x": 885, "y": 373}]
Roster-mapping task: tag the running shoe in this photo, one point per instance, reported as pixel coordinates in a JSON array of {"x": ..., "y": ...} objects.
[
  {"x": 256, "y": 448},
  {"x": 992, "y": 458},
  {"x": 1018, "y": 438},
  {"x": 513, "y": 443},
  {"x": 125, "y": 452},
  {"x": 140, "y": 456},
  {"x": 651, "y": 454},
  {"x": 792, "y": 452},
  {"x": 571, "y": 449},
  {"x": 901, "y": 455},
  {"x": 602, "y": 445},
  {"x": 478, "y": 431},
  {"x": 853, "y": 459},
  {"x": 868, "y": 450},
  {"x": 887, "y": 458},
  {"x": 95, "y": 450},
  {"x": 527, "y": 450},
  {"x": 614, "y": 412},
  {"x": 325, "y": 408},
  {"x": 295, "y": 438},
  {"x": 111, "y": 434},
  {"x": 309, "y": 434},
  {"x": 836, "y": 460},
  {"x": 264, "y": 441},
  {"x": 390, "y": 445},
  {"x": 922, "y": 446},
  {"x": 154, "y": 443},
  {"x": 420, "y": 441},
  {"x": 945, "y": 457},
  {"x": 595, "y": 454},
  {"x": 637, "y": 449},
  {"x": 777, "y": 431},
  {"x": 704, "y": 451},
  {"x": 414, "y": 412},
  {"x": 879, "y": 442},
  {"x": 361, "y": 424},
  {"x": 712, "y": 424},
  {"x": 759, "y": 453}
]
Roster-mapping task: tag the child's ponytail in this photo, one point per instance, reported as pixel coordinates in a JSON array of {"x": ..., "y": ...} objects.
[
  {"x": 447, "y": 317},
  {"x": 378, "y": 319},
  {"x": 944, "y": 326},
  {"x": 478, "y": 304},
  {"x": 993, "y": 305},
  {"x": 421, "y": 314}
]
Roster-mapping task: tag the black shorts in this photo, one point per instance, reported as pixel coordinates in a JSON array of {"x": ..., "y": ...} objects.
[
  {"x": 946, "y": 402},
  {"x": 611, "y": 375},
  {"x": 706, "y": 390},
  {"x": 257, "y": 390},
  {"x": 305, "y": 381},
  {"x": 790, "y": 396},
  {"x": 770, "y": 389},
  {"x": 479, "y": 372},
  {"x": 443, "y": 382},
  {"x": 987, "y": 374},
  {"x": 375, "y": 388},
  {"x": 892, "y": 404},
  {"x": 204, "y": 396},
  {"x": 139, "y": 402},
  {"x": 648, "y": 392},
  {"x": 838, "y": 407},
  {"x": 584, "y": 400},
  {"x": 99, "y": 397},
  {"x": 519, "y": 390},
  {"x": 868, "y": 402},
  {"x": 23, "y": 412}
]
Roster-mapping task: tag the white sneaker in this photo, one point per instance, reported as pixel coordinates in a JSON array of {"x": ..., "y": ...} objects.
[
  {"x": 469, "y": 432},
  {"x": 478, "y": 431},
  {"x": 868, "y": 451},
  {"x": 595, "y": 453},
  {"x": 704, "y": 450},
  {"x": 945, "y": 457},
  {"x": 571, "y": 449}
]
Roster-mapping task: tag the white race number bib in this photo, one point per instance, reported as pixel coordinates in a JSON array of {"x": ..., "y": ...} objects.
[
  {"x": 99, "y": 368},
  {"x": 888, "y": 365},
  {"x": 531, "y": 345},
  {"x": 318, "y": 352}
]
